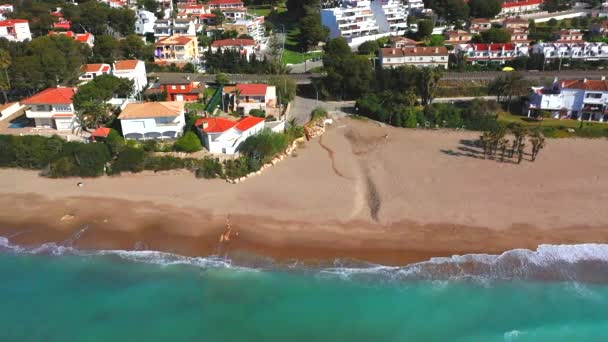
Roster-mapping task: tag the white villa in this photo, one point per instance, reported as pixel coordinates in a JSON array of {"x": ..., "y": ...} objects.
[
  {"x": 493, "y": 53},
  {"x": 145, "y": 22},
  {"x": 221, "y": 135},
  {"x": 574, "y": 99},
  {"x": 132, "y": 69},
  {"x": 16, "y": 30},
  {"x": 153, "y": 120},
  {"x": 254, "y": 96},
  {"x": 52, "y": 108}
]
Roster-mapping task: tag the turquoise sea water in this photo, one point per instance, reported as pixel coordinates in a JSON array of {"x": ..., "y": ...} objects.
[{"x": 58, "y": 294}]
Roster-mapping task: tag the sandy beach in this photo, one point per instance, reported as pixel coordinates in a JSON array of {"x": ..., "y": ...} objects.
[{"x": 362, "y": 191}]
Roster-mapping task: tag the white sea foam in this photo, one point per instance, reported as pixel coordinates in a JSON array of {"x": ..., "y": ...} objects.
[
  {"x": 549, "y": 261},
  {"x": 513, "y": 335}
]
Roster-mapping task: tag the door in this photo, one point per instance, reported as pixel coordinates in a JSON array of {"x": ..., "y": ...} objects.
[{"x": 179, "y": 97}]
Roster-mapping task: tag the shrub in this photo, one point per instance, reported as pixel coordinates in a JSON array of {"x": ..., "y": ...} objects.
[
  {"x": 189, "y": 143},
  {"x": 30, "y": 152},
  {"x": 294, "y": 132},
  {"x": 150, "y": 145},
  {"x": 264, "y": 145},
  {"x": 258, "y": 113},
  {"x": 115, "y": 142},
  {"x": 209, "y": 168},
  {"x": 318, "y": 113},
  {"x": 236, "y": 168},
  {"x": 130, "y": 159},
  {"x": 88, "y": 159},
  {"x": 164, "y": 163}
]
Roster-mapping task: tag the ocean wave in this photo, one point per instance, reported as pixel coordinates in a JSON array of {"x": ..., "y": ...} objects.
[{"x": 582, "y": 262}]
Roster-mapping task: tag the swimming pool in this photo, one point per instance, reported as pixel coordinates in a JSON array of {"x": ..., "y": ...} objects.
[{"x": 20, "y": 122}]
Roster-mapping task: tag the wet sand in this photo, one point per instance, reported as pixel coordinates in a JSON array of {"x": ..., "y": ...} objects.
[{"x": 363, "y": 191}]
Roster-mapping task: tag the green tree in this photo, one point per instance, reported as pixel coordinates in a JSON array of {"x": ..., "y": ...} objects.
[
  {"x": 222, "y": 79},
  {"x": 428, "y": 82},
  {"x": 507, "y": 86},
  {"x": 5, "y": 81},
  {"x": 485, "y": 8},
  {"x": 91, "y": 100},
  {"x": 286, "y": 88},
  {"x": 106, "y": 49},
  {"x": 122, "y": 20},
  {"x": 219, "y": 17},
  {"x": 496, "y": 35},
  {"x": 311, "y": 31},
  {"x": 369, "y": 48},
  {"x": 425, "y": 28},
  {"x": 189, "y": 143},
  {"x": 436, "y": 40},
  {"x": 133, "y": 47}
]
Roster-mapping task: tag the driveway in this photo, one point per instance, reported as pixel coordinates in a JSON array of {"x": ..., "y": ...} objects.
[{"x": 302, "y": 107}]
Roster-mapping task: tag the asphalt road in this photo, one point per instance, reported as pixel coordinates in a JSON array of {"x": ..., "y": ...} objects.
[{"x": 304, "y": 78}]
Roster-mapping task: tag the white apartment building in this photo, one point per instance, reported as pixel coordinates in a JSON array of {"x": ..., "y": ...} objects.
[
  {"x": 353, "y": 19},
  {"x": 585, "y": 51},
  {"x": 16, "y": 30},
  {"x": 253, "y": 27},
  {"x": 52, "y": 108},
  {"x": 164, "y": 28},
  {"x": 144, "y": 22},
  {"x": 414, "y": 6},
  {"x": 573, "y": 99},
  {"x": 391, "y": 15},
  {"x": 492, "y": 53}
]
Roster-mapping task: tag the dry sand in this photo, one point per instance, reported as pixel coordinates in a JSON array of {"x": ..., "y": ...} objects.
[{"x": 362, "y": 191}]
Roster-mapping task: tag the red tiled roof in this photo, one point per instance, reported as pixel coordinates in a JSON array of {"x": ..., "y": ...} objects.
[
  {"x": 95, "y": 67},
  {"x": 126, "y": 64},
  {"x": 248, "y": 122},
  {"x": 494, "y": 47},
  {"x": 596, "y": 85},
  {"x": 233, "y": 42},
  {"x": 225, "y": 2},
  {"x": 215, "y": 125},
  {"x": 52, "y": 96},
  {"x": 102, "y": 132},
  {"x": 12, "y": 22},
  {"x": 83, "y": 37},
  {"x": 253, "y": 89},
  {"x": 522, "y": 3}
]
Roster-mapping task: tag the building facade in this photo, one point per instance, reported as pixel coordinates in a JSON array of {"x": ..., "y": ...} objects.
[
  {"x": 145, "y": 22},
  {"x": 153, "y": 120},
  {"x": 133, "y": 70},
  {"x": 414, "y": 56},
  {"x": 225, "y": 136},
  {"x": 573, "y": 99},
  {"x": 52, "y": 108},
  {"x": 173, "y": 49},
  {"x": 254, "y": 96},
  {"x": 15, "y": 30}
]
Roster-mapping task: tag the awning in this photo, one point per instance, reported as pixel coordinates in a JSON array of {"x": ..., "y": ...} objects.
[{"x": 102, "y": 132}]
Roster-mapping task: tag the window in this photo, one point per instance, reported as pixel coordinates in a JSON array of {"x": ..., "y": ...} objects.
[
  {"x": 182, "y": 87},
  {"x": 173, "y": 87},
  {"x": 163, "y": 120},
  {"x": 594, "y": 95},
  {"x": 62, "y": 108}
]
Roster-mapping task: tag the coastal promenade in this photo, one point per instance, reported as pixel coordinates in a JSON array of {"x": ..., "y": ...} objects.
[{"x": 305, "y": 78}]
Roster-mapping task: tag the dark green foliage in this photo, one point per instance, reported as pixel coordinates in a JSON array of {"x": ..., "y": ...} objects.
[
  {"x": 63, "y": 159},
  {"x": 425, "y": 28},
  {"x": 131, "y": 159},
  {"x": 348, "y": 75},
  {"x": 496, "y": 35},
  {"x": 232, "y": 62},
  {"x": 209, "y": 168},
  {"x": 369, "y": 47},
  {"x": 484, "y": 8},
  {"x": 236, "y": 168},
  {"x": 189, "y": 143},
  {"x": 257, "y": 113},
  {"x": 264, "y": 146},
  {"x": 115, "y": 142},
  {"x": 311, "y": 31}
]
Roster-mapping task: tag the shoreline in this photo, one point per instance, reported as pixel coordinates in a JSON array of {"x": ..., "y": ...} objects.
[
  {"x": 398, "y": 244},
  {"x": 364, "y": 191}
]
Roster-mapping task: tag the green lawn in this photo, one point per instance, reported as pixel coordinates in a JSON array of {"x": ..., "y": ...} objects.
[
  {"x": 264, "y": 10},
  {"x": 555, "y": 128},
  {"x": 292, "y": 53}
]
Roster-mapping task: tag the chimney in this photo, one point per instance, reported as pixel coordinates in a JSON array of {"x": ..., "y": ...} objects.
[
  {"x": 603, "y": 78},
  {"x": 585, "y": 80},
  {"x": 393, "y": 52},
  {"x": 415, "y": 49},
  {"x": 436, "y": 50},
  {"x": 205, "y": 124},
  {"x": 188, "y": 78}
]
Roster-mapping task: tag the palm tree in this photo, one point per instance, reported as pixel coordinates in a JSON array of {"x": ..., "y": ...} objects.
[
  {"x": 503, "y": 148},
  {"x": 5, "y": 63},
  {"x": 512, "y": 84},
  {"x": 427, "y": 84},
  {"x": 538, "y": 142},
  {"x": 520, "y": 151}
]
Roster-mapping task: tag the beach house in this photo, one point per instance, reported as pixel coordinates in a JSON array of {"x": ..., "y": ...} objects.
[
  {"x": 52, "y": 108},
  {"x": 573, "y": 99},
  {"x": 90, "y": 71},
  {"x": 491, "y": 53},
  {"x": 254, "y": 96},
  {"x": 153, "y": 120},
  {"x": 221, "y": 135},
  {"x": 16, "y": 30},
  {"x": 132, "y": 69},
  {"x": 178, "y": 87}
]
